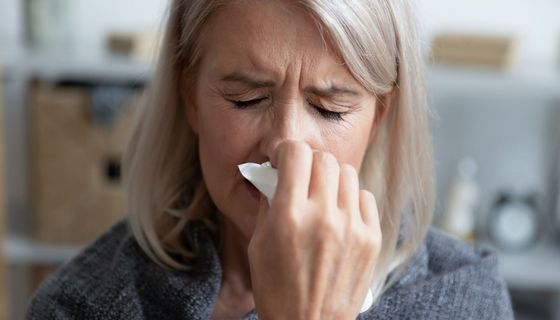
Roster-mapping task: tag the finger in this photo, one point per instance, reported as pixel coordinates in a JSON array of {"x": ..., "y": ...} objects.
[
  {"x": 368, "y": 209},
  {"x": 325, "y": 175},
  {"x": 349, "y": 189},
  {"x": 293, "y": 160}
]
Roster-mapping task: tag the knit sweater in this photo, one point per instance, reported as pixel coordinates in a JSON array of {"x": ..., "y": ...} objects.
[{"x": 114, "y": 279}]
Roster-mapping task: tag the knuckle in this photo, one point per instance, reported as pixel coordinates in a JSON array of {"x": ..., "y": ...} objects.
[
  {"x": 291, "y": 217},
  {"x": 373, "y": 242},
  {"x": 354, "y": 221},
  {"x": 282, "y": 200},
  {"x": 367, "y": 195},
  {"x": 289, "y": 148},
  {"x": 349, "y": 173},
  {"x": 289, "y": 211},
  {"x": 330, "y": 159},
  {"x": 319, "y": 157},
  {"x": 332, "y": 228},
  {"x": 281, "y": 148},
  {"x": 297, "y": 149},
  {"x": 324, "y": 158},
  {"x": 348, "y": 169},
  {"x": 364, "y": 238}
]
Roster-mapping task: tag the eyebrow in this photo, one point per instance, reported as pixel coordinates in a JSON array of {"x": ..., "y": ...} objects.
[
  {"x": 249, "y": 80},
  {"x": 331, "y": 91}
]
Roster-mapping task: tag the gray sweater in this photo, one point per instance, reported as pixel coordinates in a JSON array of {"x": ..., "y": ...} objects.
[{"x": 113, "y": 279}]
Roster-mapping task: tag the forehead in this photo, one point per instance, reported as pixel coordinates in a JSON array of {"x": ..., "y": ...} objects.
[
  {"x": 253, "y": 22},
  {"x": 266, "y": 35}
]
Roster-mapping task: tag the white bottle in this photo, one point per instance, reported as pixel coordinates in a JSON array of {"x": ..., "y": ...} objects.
[{"x": 462, "y": 200}]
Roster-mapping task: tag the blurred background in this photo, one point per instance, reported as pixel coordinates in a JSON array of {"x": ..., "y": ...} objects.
[{"x": 71, "y": 76}]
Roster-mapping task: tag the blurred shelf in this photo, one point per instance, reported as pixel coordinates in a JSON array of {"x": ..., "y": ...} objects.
[
  {"x": 60, "y": 66},
  {"x": 535, "y": 269},
  {"x": 22, "y": 251},
  {"x": 538, "y": 81}
]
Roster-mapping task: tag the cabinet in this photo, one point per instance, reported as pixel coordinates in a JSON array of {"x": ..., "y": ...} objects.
[
  {"x": 75, "y": 161},
  {"x": 70, "y": 120}
]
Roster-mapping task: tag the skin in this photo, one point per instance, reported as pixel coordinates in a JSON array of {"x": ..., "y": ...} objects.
[{"x": 320, "y": 237}]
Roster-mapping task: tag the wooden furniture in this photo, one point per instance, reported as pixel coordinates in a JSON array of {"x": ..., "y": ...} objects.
[
  {"x": 42, "y": 89},
  {"x": 477, "y": 50},
  {"x": 75, "y": 164}
]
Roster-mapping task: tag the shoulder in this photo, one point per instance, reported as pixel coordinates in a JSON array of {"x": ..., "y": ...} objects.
[
  {"x": 448, "y": 279},
  {"x": 94, "y": 284},
  {"x": 450, "y": 256},
  {"x": 114, "y": 279}
]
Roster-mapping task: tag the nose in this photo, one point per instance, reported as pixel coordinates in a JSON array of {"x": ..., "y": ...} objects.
[{"x": 287, "y": 122}]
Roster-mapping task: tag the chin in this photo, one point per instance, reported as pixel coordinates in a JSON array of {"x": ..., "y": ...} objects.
[
  {"x": 246, "y": 221},
  {"x": 241, "y": 214}
]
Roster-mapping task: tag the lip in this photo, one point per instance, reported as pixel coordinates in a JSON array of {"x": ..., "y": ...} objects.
[{"x": 254, "y": 192}]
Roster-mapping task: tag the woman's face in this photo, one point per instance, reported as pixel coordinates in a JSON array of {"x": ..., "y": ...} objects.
[{"x": 266, "y": 75}]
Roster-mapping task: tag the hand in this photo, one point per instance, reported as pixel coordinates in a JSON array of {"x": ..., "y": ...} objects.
[{"x": 313, "y": 251}]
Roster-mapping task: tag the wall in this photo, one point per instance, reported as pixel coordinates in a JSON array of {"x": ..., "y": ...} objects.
[
  {"x": 535, "y": 22},
  {"x": 89, "y": 21},
  {"x": 10, "y": 31},
  {"x": 508, "y": 125},
  {"x": 112, "y": 15}
]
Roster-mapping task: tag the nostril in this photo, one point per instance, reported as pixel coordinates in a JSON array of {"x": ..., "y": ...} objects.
[{"x": 113, "y": 170}]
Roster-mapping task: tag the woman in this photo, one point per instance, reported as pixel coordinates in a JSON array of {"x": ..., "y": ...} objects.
[{"x": 331, "y": 93}]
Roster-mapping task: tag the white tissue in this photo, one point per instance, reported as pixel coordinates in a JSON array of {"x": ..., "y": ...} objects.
[
  {"x": 368, "y": 301},
  {"x": 265, "y": 178}
]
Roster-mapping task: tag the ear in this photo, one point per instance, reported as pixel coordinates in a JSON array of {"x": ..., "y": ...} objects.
[
  {"x": 188, "y": 101},
  {"x": 382, "y": 105}
]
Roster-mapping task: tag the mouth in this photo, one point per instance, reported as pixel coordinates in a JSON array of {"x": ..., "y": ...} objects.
[{"x": 254, "y": 192}]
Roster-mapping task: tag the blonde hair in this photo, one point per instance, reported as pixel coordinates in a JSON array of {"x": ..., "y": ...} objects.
[{"x": 379, "y": 43}]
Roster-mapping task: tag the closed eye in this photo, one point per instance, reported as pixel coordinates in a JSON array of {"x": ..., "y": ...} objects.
[
  {"x": 327, "y": 114},
  {"x": 331, "y": 115},
  {"x": 243, "y": 104}
]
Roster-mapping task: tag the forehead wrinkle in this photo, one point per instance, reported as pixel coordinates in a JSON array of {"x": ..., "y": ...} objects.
[{"x": 299, "y": 53}]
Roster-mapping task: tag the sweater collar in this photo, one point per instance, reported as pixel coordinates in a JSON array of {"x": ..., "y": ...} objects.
[{"x": 196, "y": 290}]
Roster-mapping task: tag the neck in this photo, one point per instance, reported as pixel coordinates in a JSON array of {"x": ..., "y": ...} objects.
[
  {"x": 235, "y": 296},
  {"x": 234, "y": 259}
]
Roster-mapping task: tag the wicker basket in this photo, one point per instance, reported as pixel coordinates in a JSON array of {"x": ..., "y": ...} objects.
[{"x": 76, "y": 187}]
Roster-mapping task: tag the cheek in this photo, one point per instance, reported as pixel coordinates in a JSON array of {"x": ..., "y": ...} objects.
[
  {"x": 224, "y": 143},
  {"x": 222, "y": 135},
  {"x": 348, "y": 149},
  {"x": 219, "y": 149},
  {"x": 350, "y": 143}
]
